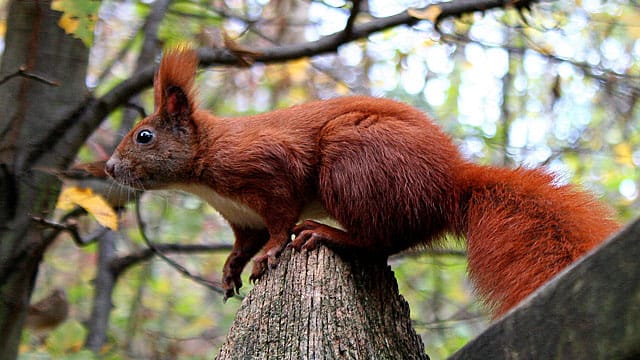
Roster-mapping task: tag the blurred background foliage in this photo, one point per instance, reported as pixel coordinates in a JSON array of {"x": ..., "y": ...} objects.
[{"x": 554, "y": 86}]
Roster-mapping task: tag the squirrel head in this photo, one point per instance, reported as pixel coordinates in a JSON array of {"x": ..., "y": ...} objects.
[{"x": 161, "y": 148}]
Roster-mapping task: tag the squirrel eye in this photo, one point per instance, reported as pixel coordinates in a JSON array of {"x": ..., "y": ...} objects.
[{"x": 144, "y": 137}]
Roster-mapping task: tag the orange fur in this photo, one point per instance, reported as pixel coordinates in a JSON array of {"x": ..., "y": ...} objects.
[
  {"x": 522, "y": 229},
  {"x": 177, "y": 68},
  {"x": 381, "y": 169}
]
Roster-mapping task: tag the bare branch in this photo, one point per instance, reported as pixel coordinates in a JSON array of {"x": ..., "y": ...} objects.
[
  {"x": 22, "y": 71},
  {"x": 121, "y": 264},
  {"x": 355, "y": 9},
  {"x": 72, "y": 229},
  {"x": 96, "y": 109},
  {"x": 597, "y": 73},
  {"x": 137, "y": 108},
  {"x": 213, "y": 285}
]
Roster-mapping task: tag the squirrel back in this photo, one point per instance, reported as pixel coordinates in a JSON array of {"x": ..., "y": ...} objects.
[{"x": 382, "y": 170}]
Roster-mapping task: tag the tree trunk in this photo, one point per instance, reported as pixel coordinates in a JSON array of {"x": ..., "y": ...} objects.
[
  {"x": 34, "y": 114},
  {"x": 317, "y": 305},
  {"x": 104, "y": 284},
  {"x": 106, "y": 278}
]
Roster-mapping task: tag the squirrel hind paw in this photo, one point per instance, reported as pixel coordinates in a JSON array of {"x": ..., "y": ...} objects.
[{"x": 309, "y": 234}]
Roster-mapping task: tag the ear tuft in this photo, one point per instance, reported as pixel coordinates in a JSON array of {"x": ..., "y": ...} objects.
[{"x": 173, "y": 85}]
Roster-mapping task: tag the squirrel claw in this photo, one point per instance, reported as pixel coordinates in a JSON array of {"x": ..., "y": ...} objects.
[
  {"x": 259, "y": 267},
  {"x": 228, "y": 293},
  {"x": 231, "y": 284},
  {"x": 272, "y": 258},
  {"x": 268, "y": 260},
  {"x": 306, "y": 240},
  {"x": 308, "y": 236}
]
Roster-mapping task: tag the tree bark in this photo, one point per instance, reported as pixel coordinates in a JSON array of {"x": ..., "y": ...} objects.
[
  {"x": 104, "y": 283},
  {"x": 317, "y": 305},
  {"x": 32, "y": 112}
]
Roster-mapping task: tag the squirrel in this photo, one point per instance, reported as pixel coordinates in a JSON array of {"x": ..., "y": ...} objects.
[
  {"x": 388, "y": 176},
  {"x": 49, "y": 312}
]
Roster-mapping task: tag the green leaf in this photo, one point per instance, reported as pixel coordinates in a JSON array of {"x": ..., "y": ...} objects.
[
  {"x": 67, "y": 338},
  {"x": 78, "y": 17}
]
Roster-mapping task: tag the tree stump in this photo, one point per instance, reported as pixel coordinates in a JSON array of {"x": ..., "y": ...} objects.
[{"x": 318, "y": 305}]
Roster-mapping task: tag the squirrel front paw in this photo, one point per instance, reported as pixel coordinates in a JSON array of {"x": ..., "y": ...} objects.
[
  {"x": 259, "y": 267},
  {"x": 231, "y": 283},
  {"x": 268, "y": 260}
]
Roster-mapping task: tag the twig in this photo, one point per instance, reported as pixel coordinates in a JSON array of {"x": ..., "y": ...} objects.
[
  {"x": 137, "y": 108},
  {"x": 355, "y": 9},
  {"x": 121, "y": 264},
  {"x": 91, "y": 113},
  {"x": 215, "y": 286},
  {"x": 597, "y": 73},
  {"x": 72, "y": 229},
  {"x": 22, "y": 71},
  {"x": 430, "y": 252}
]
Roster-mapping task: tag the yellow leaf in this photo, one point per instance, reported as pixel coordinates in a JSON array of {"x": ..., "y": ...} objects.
[
  {"x": 68, "y": 23},
  {"x": 629, "y": 21},
  {"x": 546, "y": 49},
  {"x": 57, "y": 5},
  {"x": 429, "y": 13},
  {"x": 624, "y": 154},
  {"x": 342, "y": 89},
  {"x": 298, "y": 70},
  {"x": 95, "y": 205}
]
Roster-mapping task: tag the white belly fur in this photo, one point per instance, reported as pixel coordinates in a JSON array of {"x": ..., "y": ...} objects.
[
  {"x": 242, "y": 215},
  {"x": 233, "y": 211}
]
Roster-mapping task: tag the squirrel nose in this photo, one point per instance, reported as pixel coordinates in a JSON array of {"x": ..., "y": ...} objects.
[{"x": 110, "y": 167}]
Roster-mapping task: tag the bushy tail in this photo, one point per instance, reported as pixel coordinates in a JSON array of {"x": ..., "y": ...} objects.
[{"x": 522, "y": 228}]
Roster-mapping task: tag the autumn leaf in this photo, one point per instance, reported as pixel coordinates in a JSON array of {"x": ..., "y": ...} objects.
[
  {"x": 624, "y": 154},
  {"x": 342, "y": 89},
  {"x": 298, "y": 70},
  {"x": 94, "y": 204},
  {"x": 430, "y": 13}
]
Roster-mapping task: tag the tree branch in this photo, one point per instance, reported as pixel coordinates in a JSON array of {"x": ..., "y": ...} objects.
[
  {"x": 121, "y": 264},
  {"x": 72, "y": 229},
  {"x": 355, "y": 9},
  {"x": 96, "y": 109},
  {"x": 22, "y": 71},
  {"x": 586, "y": 312},
  {"x": 213, "y": 285}
]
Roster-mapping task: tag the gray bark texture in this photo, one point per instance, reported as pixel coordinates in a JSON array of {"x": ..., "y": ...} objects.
[
  {"x": 317, "y": 305},
  {"x": 34, "y": 115},
  {"x": 590, "y": 311}
]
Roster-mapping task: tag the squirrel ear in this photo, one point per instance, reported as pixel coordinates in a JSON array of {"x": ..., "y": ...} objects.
[
  {"x": 176, "y": 101},
  {"x": 173, "y": 84}
]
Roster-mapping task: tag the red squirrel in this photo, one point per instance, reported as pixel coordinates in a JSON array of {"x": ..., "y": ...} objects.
[{"x": 382, "y": 170}]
